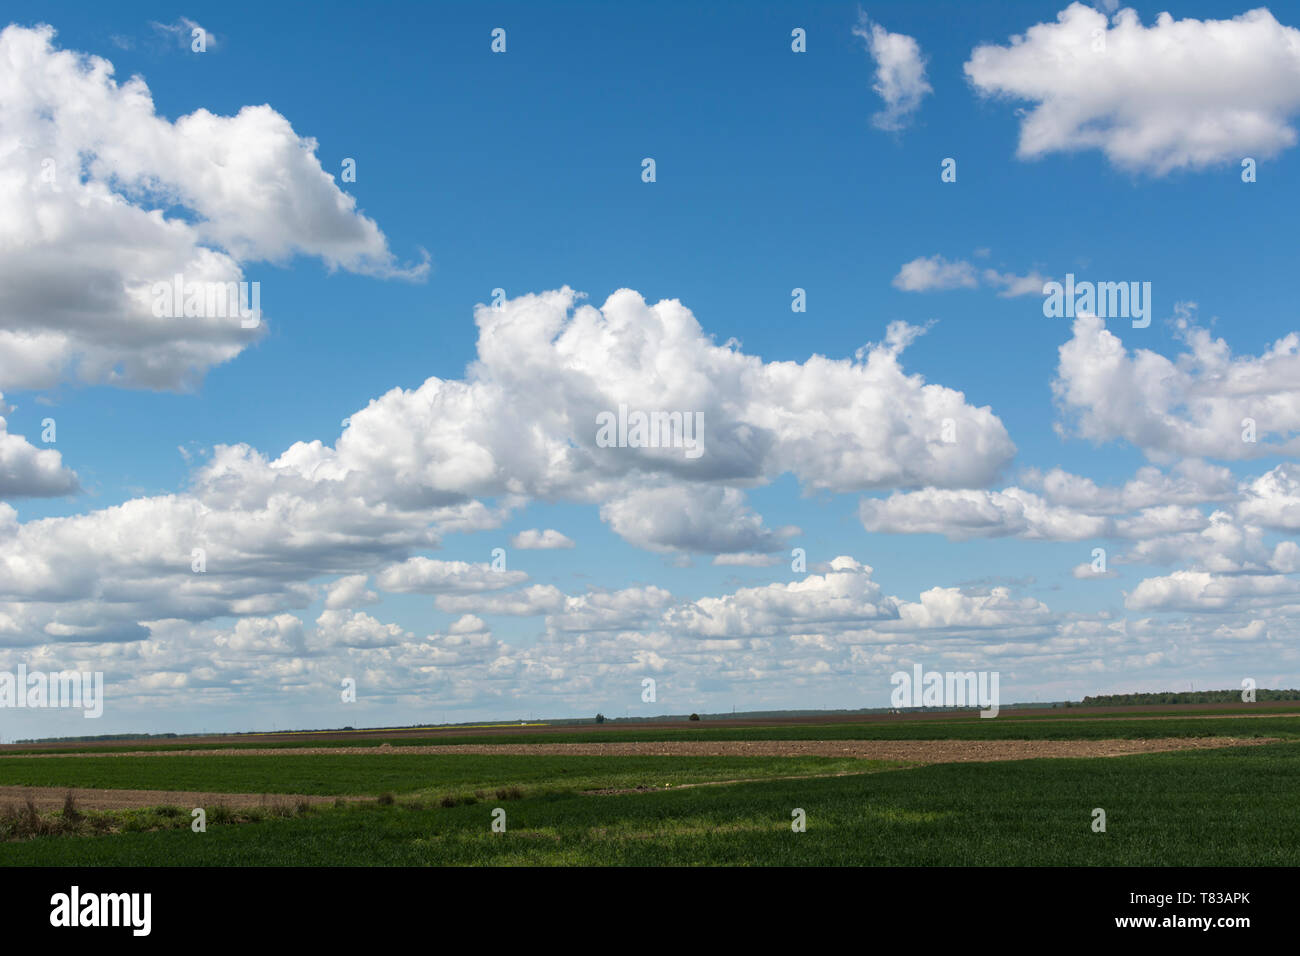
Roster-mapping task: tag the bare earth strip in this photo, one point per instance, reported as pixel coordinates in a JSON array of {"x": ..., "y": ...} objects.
[
  {"x": 913, "y": 751},
  {"x": 51, "y": 798}
]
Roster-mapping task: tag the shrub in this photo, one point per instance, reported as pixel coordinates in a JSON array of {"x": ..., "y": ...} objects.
[{"x": 70, "y": 812}]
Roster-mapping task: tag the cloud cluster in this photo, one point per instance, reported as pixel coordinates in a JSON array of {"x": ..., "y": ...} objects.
[
  {"x": 781, "y": 643},
  {"x": 1205, "y": 402},
  {"x": 1177, "y": 94},
  {"x": 101, "y": 199}
]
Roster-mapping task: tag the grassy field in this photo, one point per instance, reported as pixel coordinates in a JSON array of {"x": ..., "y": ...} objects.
[
  {"x": 1090, "y": 727},
  {"x": 1234, "y": 807},
  {"x": 427, "y": 775},
  {"x": 1224, "y": 807}
]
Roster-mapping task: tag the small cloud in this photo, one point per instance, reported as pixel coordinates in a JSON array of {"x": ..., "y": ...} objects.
[
  {"x": 900, "y": 73},
  {"x": 747, "y": 559},
  {"x": 183, "y": 32},
  {"x": 1086, "y": 571},
  {"x": 534, "y": 540},
  {"x": 468, "y": 624},
  {"x": 935, "y": 273},
  {"x": 1014, "y": 285}
]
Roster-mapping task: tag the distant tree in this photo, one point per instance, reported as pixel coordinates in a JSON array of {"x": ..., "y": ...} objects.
[
  {"x": 600, "y": 718},
  {"x": 695, "y": 716}
]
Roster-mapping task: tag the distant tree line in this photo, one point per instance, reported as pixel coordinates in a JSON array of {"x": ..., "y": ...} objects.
[
  {"x": 91, "y": 739},
  {"x": 1187, "y": 697}
]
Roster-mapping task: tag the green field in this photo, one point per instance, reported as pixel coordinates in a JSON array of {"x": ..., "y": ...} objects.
[
  {"x": 427, "y": 775},
  {"x": 1234, "y": 806},
  {"x": 1226, "y": 807},
  {"x": 1003, "y": 727}
]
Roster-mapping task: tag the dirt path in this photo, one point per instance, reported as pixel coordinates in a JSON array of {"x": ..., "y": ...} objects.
[
  {"x": 916, "y": 751},
  {"x": 51, "y": 798}
]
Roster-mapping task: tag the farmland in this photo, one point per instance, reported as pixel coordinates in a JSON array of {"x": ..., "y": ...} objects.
[{"x": 1193, "y": 788}]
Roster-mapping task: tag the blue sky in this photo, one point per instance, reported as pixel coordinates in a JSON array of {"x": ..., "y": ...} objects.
[{"x": 522, "y": 171}]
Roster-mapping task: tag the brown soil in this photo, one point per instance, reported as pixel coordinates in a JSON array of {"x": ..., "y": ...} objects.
[
  {"x": 912, "y": 751},
  {"x": 51, "y": 798}
]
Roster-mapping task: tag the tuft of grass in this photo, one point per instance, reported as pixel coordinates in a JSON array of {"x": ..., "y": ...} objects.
[
  {"x": 70, "y": 812},
  {"x": 26, "y": 821}
]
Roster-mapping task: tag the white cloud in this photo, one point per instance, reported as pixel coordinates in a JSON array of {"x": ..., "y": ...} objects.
[
  {"x": 1162, "y": 506},
  {"x": 711, "y": 520},
  {"x": 427, "y": 576},
  {"x": 846, "y": 593},
  {"x": 415, "y": 465},
  {"x": 1178, "y": 94},
  {"x": 1194, "y": 405},
  {"x": 30, "y": 472},
  {"x": 747, "y": 559},
  {"x": 104, "y": 575},
  {"x": 526, "y": 602},
  {"x": 900, "y": 74},
  {"x": 1013, "y": 285},
  {"x": 467, "y": 624},
  {"x": 1190, "y": 482},
  {"x": 280, "y": 635},
  {"x": 935, "y": 273},
  {"x": 536, "y": 540},
  {"x": 1273, "y": 499},
  {"x": 778, "y": 644},
  {"x": 954, "y": 609},
  {"x": 346, "y": 628},
  {"x": 972, "y": 513},
  {"x": 1088, "y": 572},
  {"x": 635, "y": 608},
  {"x": 182, "y": 33},
  {"x": 1203, "y": 591},
  {"x": 88, "y": 172},
  {"x": 350, "y": 591}
]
